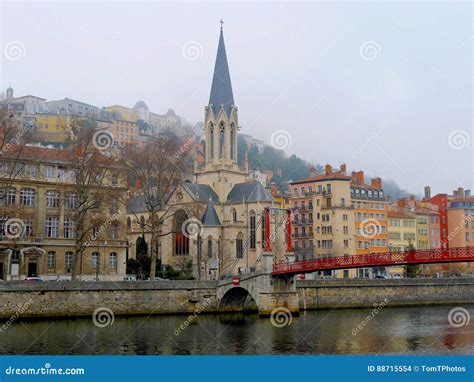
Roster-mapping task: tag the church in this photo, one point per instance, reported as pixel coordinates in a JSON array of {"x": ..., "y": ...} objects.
[{"x": 234, "y": 225}]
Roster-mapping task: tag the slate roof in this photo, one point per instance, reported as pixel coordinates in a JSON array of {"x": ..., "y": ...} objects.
[
  {"x": 210, "y": 217},
  {"x": 201, "y": 192},
  {"x": 221, "y": 89},
  {"x": 249, "y": 192},
  {"x": 136, "y": 204}
]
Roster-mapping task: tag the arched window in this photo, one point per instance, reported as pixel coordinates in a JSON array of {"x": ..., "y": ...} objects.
[
  {"x": 142, "y": 222},
  {"x": 232, "y": 140},
  {"x": 234, "y": 215},
  {"x": 209, "y": 247},
  {"x": 181, "y": 241},
  {"x": 239, "y": 247},
  {"x": 264, "y": 231},
  {"x": 211, "y": 138},
  {"x": 129, "y": 223},
  {"x": 221, "y": 139},
  {"x": 253, "y": 232}
]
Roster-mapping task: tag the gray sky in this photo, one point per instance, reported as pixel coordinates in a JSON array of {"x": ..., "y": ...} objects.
[{"x": 384, "y": 87}]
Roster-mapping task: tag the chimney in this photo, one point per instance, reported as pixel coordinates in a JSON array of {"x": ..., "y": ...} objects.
[
  {"x": 343, "y": 169},
  {"x": 412, "y": 198},
  {"x": 358, "y": 177},
  {"x": 460, "y": 192},
  {"x": 467, "y": 193},
  {"x": 328, "y": 169},
  {"x": 427, "y": 192},
  {"x": 312, "y": 171},
  {"x": 377, "y": 183},
  {"x": 401, "y": 204}
]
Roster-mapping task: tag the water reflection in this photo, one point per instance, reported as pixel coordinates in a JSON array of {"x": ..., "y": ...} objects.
[{"x": 392, "y": 331}]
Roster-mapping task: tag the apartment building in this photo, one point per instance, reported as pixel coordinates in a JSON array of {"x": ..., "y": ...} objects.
[{"x": 37, "y": 231}]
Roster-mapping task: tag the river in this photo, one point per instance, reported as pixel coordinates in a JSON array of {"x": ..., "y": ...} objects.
[{"x": 416, "y": 330}]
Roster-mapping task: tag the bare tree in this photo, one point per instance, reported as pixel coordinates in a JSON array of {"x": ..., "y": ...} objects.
[
  {"x": 93, "y": 172},
  {"x": 157, "y": 168}
]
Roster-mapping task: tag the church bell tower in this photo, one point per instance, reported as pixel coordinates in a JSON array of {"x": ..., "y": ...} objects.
[{"x": 221, "y": 169}]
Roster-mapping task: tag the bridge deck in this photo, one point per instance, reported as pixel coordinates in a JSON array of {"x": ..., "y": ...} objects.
[{"x": 429, "y": 256}]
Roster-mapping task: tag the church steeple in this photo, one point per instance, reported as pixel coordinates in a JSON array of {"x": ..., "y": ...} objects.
[
  {"x": 221, "y": 89},
  {"x": 221, "y": 169}
]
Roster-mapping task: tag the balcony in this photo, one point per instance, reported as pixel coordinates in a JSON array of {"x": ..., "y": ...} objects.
[{"x": 339, "y": 206}]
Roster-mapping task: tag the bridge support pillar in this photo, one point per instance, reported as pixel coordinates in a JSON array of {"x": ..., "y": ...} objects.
[{"x": 276, "y": 293}]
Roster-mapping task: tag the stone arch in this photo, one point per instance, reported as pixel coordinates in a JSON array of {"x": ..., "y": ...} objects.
[{"x": 237, "y": 299}]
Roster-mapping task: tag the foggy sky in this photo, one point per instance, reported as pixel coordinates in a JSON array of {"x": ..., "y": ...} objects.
[{"x": 402, "y": 109}]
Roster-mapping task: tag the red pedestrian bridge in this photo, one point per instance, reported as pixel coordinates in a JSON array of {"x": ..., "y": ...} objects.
[{"x": 428, "y": 256}]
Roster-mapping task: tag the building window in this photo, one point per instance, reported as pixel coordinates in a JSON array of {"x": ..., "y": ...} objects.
[
  {"x": 114, "y": 231},
  {"x": 50, "y": 170},
  {"x": 69, "y": 231},
  {"x": 129, "y": 223},
  {"x": 264, "y": 232},
  {"x": 51, "y": 227},
  {"x": 70, "y": 200},
  {"x": 239, "y": 248},
  {"x": 114, "y": 180},
  {"x": 232, "y": 139},
  {"x": 113, "y": 260},
  {"x": 253, "y": 233},
  {"x": 52, "y": 199},
  {"x": 221, "y": 140},
  {"x": 51, "y": 260},
  {"x": 27, "y": 197},
  {"x": 234, "y": 215},
  {"x": 8, "y": 196},
  {"x": 68, "y": 260},
  {"x": 209, "y": 247},
  {"x": 95, "y": 260},
  {"x": 114, "y": 207},
  {"x": 211, "y": 137}
]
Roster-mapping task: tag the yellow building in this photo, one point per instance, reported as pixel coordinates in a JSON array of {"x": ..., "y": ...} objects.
[
  {"x": 124, "y": 113},
  {"x": 53, "y": 128},
  {"x": 334, "y": 226},
  {"x": 401, "y": 235}
]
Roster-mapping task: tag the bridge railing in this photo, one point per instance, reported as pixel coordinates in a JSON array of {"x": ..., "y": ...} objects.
[{"x": 377, "y": 259}]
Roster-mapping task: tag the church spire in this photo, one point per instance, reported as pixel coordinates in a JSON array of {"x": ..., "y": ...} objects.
[{"x": 221, "y": 89}]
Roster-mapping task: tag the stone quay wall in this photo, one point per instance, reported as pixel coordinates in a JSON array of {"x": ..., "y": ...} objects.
[
  {"x": 76, "y": 299},
  {"x": 345, "y": 294}
]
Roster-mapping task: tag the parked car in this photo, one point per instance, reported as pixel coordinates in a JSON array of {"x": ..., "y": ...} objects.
[
  {"x": 130, "y": 278},
  {"x": 380, "y": 277},
  {"x": 158, "y": 279},
  {"x": 34, "y": 279},
  {"x": 397, "y": 276}
]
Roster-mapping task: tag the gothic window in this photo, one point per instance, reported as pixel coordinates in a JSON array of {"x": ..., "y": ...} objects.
[
  {"x": 209, "y": 247},
  {"x": 129, "y": 223},
  {"x": 264, "y": 231},
  {"x": 239, "y": 248},
  {"x": 211, "y": 138},
  {"x": 232, "y": 140},
  {"x": 253, "y": 230},
  {"x": 234, "y": 215},
  {"x": 221, "y": 139},
  {"x": 181, "y": 241}
]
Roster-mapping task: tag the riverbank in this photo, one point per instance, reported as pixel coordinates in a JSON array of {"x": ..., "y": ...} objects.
[{"x": 76, "y": 299}]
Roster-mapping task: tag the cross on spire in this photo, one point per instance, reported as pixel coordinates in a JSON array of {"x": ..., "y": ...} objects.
[{"x": 222, "y": 24}]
